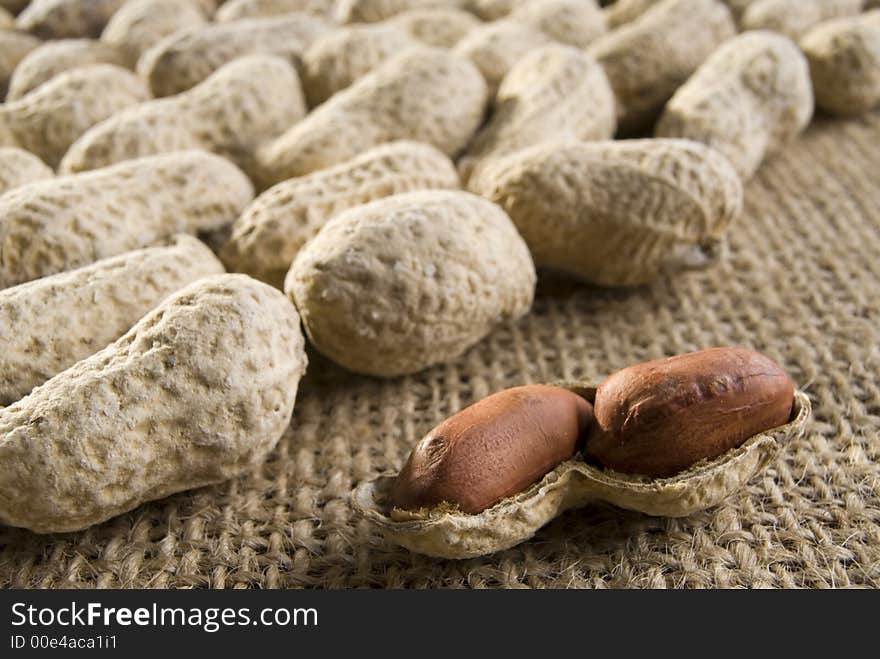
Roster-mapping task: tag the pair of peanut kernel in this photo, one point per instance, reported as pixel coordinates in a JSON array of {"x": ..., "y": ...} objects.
[{"x": 654, "y": 419}]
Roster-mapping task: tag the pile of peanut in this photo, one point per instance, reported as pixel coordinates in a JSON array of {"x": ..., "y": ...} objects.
[{"x": 184, "y": 184}]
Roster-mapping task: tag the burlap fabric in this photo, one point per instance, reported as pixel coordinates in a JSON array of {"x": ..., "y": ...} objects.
[{"x": 801, "y": 283}]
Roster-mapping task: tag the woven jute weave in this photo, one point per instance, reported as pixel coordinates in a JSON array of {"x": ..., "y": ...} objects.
[{"x": 801, "y": 282}]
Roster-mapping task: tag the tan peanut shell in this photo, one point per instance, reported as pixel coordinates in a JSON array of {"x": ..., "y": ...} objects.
[
  {"x": 71, "y": 221},
  {"x": 60, "y": 19},
  {"x": 234, "y": 10},
  {"x": 660, "y": 417},
  {"x": 844, "y": 57},
  {"x": 7, "y": 20},
  {"x": 13, "y": 48},
  {"x": 199, "y": 391},
  {"x": 441, "y": 26},
  {"x": 18, "y": 167},
  {"x": 621, "y": 12},
  {"x": 496, "y": 47},
  {"x": 374, "y": 11},
  {"x": 555, "y": 93},
  {"x": 140, "y": 24},
  {"x": 183, "y": 59},
  {"x": 448, "y": 533},
  {"x": 752, "y": 96},
  {"x": 794, "y": 18},
  {"x": 339, "y": 58},
  {"x": 49, "y": 324},
  {"x": 242, "y": 105},
  {"x": 424, "y": 94},
  {"x": 270, "y": 232},
  {"x": 51, "y": 118},
  {"x": 618, "y": 213},
  {"x": 648, "y": 59},
  {"x": 409, "y": 281},
  {"x": 54, "y": 57},
  {"x": 492, "y": 10},
  {"x": 334, "y": 61},
  {"x": 574, "y": 22}
]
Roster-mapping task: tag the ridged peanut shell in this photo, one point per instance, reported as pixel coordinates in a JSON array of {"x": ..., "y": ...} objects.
[
  {"x": 618, "y": 213},
  {"x": 60, "y": 19},
  {"x": 234, "y": 10},
  {"x": 648, "y": 59},
  {"x": 140, "y": 24},
  {"x": 752, "y": 96},
  {"x": 339, "y": 58},
  {"x": 18, "y": 167},
  {"x": 242, "y": 105},
  {"x": 51, "y": 117},
  {"x": 621, "y": 12},
  {"x": 199, "y": 391},
  {"x": 70, "y": 221},
  {"x": 374, "y": 11},
  {"x": 844, "y": 57},
  {"x": 573, "y": 22},
  {"x": 270, "y": 232},
  {"x": 54, "y": 57},
  {"x": 334, "y": 61},
  {"x": 440, "y": 26},
  {"x": 49, "y": 324},
  {"x": 496, "y": 47},
  {"x": 13, "y": 48},
  {"x": 185, "y": 58},
  {"x": 492, "y": 10},
  {"x": 409, "y": 281},
  {"x": 555, "y": 93},
  {"x": 794, "y": 18},
  {"x": 423, "y": 94},
  {"x": 448, "y": 533}
]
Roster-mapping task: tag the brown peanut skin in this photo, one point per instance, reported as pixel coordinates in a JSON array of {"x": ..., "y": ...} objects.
[
  {"x": 493, "y": 449},
  {"x": 660, "y": 417}
]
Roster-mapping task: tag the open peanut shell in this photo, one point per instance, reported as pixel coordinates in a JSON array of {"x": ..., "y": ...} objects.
[{"x": 446, "y": 532}]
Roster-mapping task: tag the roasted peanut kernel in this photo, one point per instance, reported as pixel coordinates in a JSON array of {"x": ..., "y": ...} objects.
[
  {"x": 493, "y": 449},
  {"x": 661, "y": 417}
]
